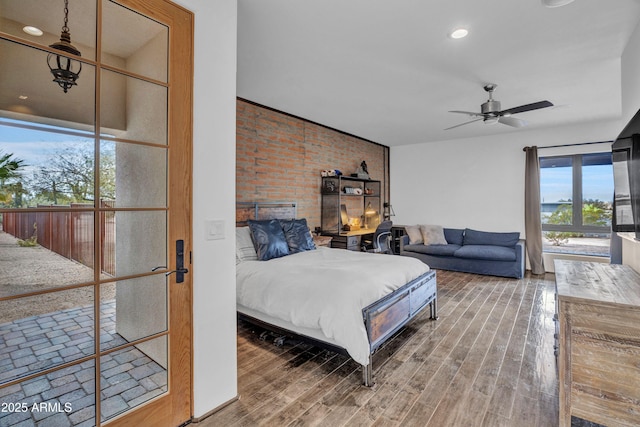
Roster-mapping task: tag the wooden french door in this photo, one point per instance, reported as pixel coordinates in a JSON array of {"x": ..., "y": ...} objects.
[{"x": 95, "y": 193}]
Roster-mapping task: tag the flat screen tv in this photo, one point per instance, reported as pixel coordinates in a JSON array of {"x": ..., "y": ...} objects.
[{"x": 626, "y": 177}]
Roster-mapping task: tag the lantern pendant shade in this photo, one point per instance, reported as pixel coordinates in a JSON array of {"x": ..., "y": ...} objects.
[{"x": 64, "y": 69}]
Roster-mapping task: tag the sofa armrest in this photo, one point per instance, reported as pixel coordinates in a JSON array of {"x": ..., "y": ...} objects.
[
  {"x": 404, "y": 240},
  {"x": 520, "y": 256}
]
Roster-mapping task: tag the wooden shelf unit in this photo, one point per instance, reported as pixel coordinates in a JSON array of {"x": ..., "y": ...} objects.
[{"x": 356, "y": 194}]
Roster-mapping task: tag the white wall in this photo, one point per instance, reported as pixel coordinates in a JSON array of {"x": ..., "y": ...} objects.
[{"x": 214, "y": 323}]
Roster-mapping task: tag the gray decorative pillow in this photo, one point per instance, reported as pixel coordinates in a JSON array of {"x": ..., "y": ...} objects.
[
  {"x": 433, "y": 234},
  {"x": 297, "y": 234},
  {"x": 245, "y": 251},
  {"x": 414, "y": 233},
  {"x": 268, "y": 239}
]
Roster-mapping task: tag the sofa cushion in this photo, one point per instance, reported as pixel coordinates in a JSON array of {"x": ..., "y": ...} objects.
[
  {"x": 454, "y": 235},
  {"x": 488, "y": 252},
  {"x": 474, "y": 237},
  {"x": 414, "y": 233},
  {"x": 438, "y": 250},
  {"x": 432, "y": 235}
]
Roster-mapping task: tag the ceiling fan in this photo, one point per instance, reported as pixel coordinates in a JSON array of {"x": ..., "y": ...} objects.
[{"x": 491, "y": 113}]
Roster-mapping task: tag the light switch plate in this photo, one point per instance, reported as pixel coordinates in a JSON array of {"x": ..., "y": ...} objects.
[{"x": 214, "y": 229}]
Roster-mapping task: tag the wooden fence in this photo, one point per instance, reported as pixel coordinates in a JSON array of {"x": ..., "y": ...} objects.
[{"x": 68, "y": 232}]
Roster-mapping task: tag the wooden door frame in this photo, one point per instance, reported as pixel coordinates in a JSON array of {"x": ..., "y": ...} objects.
[{"x": 175, "y": 407}]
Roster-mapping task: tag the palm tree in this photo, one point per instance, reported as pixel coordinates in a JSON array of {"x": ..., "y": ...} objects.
[{"x": 8, "y": 169}]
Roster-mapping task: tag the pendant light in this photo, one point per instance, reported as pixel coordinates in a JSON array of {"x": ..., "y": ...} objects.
[{"x": 64, "y": 69}]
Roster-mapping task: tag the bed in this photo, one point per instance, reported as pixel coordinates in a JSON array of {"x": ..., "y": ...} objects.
[{"x": 345, "y": 301}]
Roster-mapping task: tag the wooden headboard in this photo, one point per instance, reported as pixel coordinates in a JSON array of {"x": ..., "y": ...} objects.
[{"x": 264, "y": 210}]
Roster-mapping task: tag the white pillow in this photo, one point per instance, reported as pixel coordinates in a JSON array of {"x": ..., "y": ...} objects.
[
  {"x": 245, "y": 250},
  {"x": 414, "y": 233},
  {"x": 433, "y": 234}
]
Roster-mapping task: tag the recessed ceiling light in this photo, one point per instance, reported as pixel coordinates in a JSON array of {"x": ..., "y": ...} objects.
[
  {"x": 34, "y": 31},
  {"x": 459, "y": 33},
  {"x": 23, "y": 97},
  {"x": 556, "y": 3}
]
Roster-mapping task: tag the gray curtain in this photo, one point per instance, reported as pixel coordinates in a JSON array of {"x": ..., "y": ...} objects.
[{"x": 532, "y": 221}]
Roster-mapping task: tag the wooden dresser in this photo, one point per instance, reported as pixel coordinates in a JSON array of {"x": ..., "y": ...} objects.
[{"x": 598, "y": 308}]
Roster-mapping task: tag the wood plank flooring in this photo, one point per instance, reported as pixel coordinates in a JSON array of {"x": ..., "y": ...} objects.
[{"x": 487, "y": 361}]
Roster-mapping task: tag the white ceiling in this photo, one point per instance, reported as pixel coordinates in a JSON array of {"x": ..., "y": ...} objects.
[{"x": 387, "y": 70}]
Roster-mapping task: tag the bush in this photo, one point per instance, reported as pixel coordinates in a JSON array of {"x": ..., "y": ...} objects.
[{"x": 557, "y": 238}]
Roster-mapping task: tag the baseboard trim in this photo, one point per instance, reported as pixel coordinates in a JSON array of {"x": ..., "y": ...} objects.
[{"x": 196, "y": 420}]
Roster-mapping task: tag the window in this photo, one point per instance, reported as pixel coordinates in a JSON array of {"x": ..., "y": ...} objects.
[{"x": 576, "y": 194}]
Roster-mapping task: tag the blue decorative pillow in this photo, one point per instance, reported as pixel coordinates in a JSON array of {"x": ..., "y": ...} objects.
[
  {"x": 296, "y": 232},
  {"x": 454, "y": 235},
  {"x": 268, "y": 238}
]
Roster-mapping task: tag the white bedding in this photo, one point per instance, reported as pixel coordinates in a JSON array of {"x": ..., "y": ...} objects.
[{"x": 325, "y": 289}]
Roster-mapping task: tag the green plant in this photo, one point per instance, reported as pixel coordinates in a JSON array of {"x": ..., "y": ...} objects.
[
  {"x": 557, "y": 238},
  {"x": 9, "y": 172},
  {"x": 31, "y": 241},
  {"x": 595, "y": 212}
]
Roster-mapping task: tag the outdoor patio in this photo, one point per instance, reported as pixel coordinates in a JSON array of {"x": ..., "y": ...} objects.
[
  {"x": 589, "y": 246},
  {"x": 48, "y": 330},
  {"x": 34, "y": 343}
]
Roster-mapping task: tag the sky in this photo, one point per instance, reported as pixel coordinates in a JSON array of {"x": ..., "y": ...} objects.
[
  {"x": 35, "y": 147},
  {"x": 556, "y": 183}
]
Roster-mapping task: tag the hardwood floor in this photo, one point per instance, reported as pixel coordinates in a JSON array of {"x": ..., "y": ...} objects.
[{"x": 487, "y": 361}]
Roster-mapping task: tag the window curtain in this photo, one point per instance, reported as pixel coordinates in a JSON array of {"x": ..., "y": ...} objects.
[{"x": 532, "y": 220}]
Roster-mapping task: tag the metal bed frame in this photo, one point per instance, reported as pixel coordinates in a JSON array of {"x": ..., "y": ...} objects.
[{"x": 382, "y": 319}]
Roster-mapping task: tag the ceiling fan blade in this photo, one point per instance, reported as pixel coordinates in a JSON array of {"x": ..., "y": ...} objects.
[
  {"x": 465, "y": 123},
  {"x": 468, "y": 113},
  {"x": 512, "y": 121},
  {"x": 527, "y": 107}
]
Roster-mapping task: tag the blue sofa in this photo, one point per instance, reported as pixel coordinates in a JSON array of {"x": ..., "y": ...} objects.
[{"x": 472, "y": 251}]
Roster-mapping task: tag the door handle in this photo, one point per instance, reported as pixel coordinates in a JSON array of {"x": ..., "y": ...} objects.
[{"x": 180, "y": 270}]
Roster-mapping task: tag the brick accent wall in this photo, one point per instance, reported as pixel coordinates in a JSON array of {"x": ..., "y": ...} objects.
[{"x": 279, "y": 158}]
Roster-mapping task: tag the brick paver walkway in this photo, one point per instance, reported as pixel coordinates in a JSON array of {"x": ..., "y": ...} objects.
[{"x": 66, "y": 397}]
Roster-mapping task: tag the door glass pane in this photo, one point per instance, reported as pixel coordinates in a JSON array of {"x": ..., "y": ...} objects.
[
  {"x": 132, "y": 309},
  {"x": 133, "y": 175},
  {"x": 140, "y": 241},
  {"x": 556, "y": 190},
  {"x": 61, "y": 398},
  {"x": 38, "y": 98},
  {"x": 48, "y": 16},
  {"x": 133, "y": 109},
  {"x": 54, "y": 166},
  {"x": 43, "y": 331},
  {"x": 141, "y": 49},
  {"x": 132, "y": 375},
  {"x": 44, "y": 250}
]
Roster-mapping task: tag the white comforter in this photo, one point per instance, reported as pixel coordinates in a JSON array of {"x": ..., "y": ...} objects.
[{"x": 325, "y": 289}]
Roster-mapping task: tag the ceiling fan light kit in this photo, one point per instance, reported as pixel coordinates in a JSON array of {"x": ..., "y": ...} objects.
[{"x": 490, "y": 112}]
